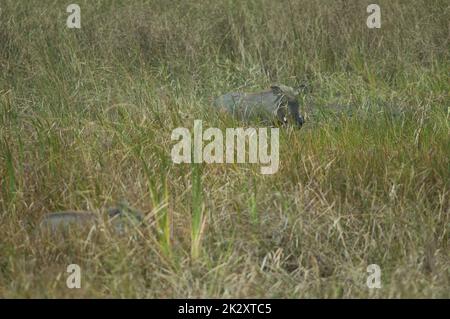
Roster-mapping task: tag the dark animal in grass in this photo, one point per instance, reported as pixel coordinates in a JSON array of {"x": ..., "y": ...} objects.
[
  {"x": 278, "y": 105},
  {"x": 119, "y": 217}
]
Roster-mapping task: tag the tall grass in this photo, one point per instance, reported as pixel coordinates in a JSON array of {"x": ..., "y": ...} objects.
[
  {"x": 198, "y": 218},
  {"x": 86, "y": 118}
]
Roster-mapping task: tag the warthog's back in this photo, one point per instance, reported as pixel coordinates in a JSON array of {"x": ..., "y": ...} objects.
[
  {"x": 119, "y": 217},
  {"x": 248, "y": 105},
  {"x": 233, "y": 100},
  {"x": 57, "y": 220}
]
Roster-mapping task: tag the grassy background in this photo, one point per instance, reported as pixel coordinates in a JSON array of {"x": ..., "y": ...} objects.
[{"x": 86, "y": 117}]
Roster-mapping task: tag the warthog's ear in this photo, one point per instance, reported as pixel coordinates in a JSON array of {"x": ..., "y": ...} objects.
[
  {"x": 302, "y": 88},
  {"x": 283, "y": 89},
  {"x": 113, "y": 211},
  {"x": 276, "y": 89}
]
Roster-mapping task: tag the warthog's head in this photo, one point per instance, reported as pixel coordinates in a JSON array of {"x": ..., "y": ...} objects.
[
  {"x": 123, "y": 214},
  {"x": 289, "y": 108}
]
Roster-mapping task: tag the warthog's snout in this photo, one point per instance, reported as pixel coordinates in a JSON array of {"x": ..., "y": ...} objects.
[{"x": 279, "y": 104}]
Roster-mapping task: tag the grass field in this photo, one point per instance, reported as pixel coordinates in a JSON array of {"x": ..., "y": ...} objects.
[{"x": 86, "y": 117}]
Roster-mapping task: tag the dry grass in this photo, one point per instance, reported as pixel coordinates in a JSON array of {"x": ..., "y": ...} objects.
[{"x": 86, "y": 117}]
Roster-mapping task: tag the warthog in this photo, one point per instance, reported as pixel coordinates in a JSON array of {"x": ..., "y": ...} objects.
[
  {"x": 120, "y": 217},
  {"x": 277, "y": 105}
]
